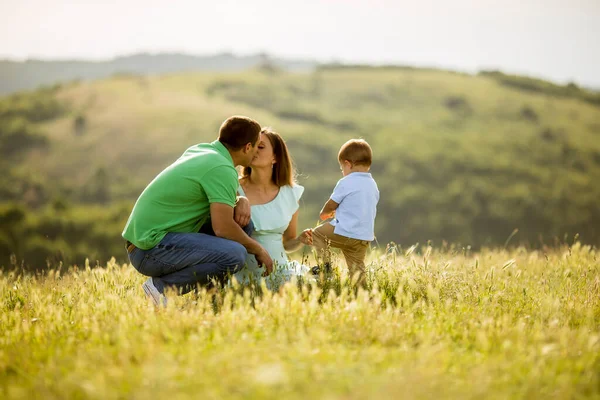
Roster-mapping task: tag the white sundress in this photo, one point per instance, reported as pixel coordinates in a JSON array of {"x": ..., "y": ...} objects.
[{"x": 270, "y": 222}]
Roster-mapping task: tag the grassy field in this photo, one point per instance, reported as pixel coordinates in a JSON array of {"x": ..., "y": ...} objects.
[
  {"x": 435, "y": 323},
  {"x": 458, "y": 158}
]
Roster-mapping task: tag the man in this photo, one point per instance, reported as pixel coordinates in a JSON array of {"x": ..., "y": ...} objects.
[{"x": 188, "y": 226}]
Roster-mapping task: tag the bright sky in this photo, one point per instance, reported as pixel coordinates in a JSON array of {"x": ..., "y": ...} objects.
[{"x": 555, "y": 39}]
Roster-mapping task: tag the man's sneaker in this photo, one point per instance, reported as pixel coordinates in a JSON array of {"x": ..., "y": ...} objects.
[{"x": 153, "y": 293}]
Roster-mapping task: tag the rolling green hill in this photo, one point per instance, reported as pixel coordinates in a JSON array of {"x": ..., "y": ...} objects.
[
  {"x": 458, "y": 158},
  {"x": 26, "y": 75}
]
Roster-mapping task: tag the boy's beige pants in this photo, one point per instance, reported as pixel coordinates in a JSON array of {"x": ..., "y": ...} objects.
[{"x": 354, "y": 250}]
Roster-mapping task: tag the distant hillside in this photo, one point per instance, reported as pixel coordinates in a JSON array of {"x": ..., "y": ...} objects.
[
  {"x": 17, "y": 76},
  {"x": 458, "y": 158}
]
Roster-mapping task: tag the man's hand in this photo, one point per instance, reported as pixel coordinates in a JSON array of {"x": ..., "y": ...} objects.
[
  {"x": 241, "y": 212},
  {"x": 263, "y": 258},
  {"x": 306, "y": 237}
]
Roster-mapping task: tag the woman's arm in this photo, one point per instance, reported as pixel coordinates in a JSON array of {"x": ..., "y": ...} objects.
[{"x": 290, "y": 241}]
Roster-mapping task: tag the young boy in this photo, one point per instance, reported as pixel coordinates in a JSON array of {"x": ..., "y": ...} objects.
[{"x": 352, "y": 207}]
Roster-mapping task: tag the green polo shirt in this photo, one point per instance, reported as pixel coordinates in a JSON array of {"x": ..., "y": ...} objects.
[{"x": 179, "y": 198}]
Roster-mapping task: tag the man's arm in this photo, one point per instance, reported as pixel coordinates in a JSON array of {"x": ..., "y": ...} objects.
[
  {"x": 224, "y": 226},
  {"x": 328, "y": 210},
  {"x": 242, "y": 210}
]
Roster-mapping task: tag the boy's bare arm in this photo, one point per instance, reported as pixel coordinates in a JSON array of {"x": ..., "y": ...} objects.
[{"x": 328, "y": 210}]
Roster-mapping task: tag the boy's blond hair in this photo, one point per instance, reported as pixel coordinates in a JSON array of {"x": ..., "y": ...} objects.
[{"x": 357, "y": 152}]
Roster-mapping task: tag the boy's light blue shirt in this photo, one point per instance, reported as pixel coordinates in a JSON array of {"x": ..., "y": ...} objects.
[{"x": 357, "y": 195}]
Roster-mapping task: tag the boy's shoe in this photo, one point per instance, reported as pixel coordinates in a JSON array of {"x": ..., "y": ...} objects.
[
  {"x": 316, "y": 270},
  {"x": 153, "y": 293}
]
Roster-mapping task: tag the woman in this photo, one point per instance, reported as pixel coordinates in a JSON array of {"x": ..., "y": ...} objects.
[{"x": 269, "y": 185}]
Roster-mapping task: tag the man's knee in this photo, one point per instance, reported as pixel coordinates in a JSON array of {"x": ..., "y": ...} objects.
[{"x": 235, "y": 257}]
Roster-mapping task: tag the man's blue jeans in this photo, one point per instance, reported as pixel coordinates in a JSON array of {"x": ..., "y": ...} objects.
[{"x": 185, "y": 260}]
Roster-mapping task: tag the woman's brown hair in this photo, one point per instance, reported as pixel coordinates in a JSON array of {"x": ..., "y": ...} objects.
[{"x": 283, "y": 169}]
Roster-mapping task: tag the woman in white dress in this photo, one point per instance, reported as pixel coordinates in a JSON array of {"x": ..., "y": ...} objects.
[{"x": 269, "y": 185}]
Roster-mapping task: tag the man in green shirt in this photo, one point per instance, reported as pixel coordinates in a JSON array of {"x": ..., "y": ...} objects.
[{"x": 188, "y": 226}]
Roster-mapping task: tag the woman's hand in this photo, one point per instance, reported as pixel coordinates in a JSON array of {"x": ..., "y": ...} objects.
[{"x": 306, "y": 237}]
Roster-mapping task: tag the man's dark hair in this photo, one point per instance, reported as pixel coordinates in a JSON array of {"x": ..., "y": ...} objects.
[{"x": 238, "y": 131}]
